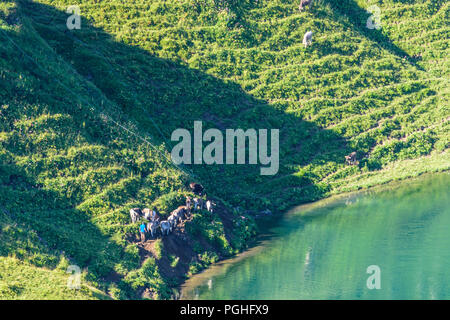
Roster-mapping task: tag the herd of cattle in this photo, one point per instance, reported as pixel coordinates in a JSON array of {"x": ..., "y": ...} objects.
[{"x": 150, "y": 219}]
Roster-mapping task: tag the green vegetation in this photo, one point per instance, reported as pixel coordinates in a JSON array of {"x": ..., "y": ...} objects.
[
  {"x": 38, "y": 283},
  {"x": 173, "y": 260},
  {"x": 87, "y": 115},
  {"x": 147, "y": 277},
  {"x": 159, "y": 247},
  {"x": 209, "y": 227}
]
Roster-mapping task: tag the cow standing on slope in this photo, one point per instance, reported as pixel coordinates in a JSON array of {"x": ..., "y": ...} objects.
[
  {"x": 152, "y": 227},
  {"x": 165, "y": 227},
  {"x": 210, "y": 205},
  {"x": 351, "y": 158},
  {"x": 180, "y": 213},
  {"x": 196, "y": 188},
  {"x": 307, "y": 39},
  {"x": 135, "y": 213},
  {"x": 304, "y": 4}
]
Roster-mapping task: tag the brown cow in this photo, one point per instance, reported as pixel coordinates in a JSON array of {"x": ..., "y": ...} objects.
[
  {"x": 304, "y": 4},
  {"x": 196, "y": 188},
  {"x": 351, "y": 158},
  {"x": 179, "y": 213}
]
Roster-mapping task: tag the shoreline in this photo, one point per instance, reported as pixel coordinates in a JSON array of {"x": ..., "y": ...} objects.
[{"x": 260, "y": 242}]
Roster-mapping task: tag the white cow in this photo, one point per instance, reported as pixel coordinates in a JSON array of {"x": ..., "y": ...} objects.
[
  {"x": 153, "y": 227},
  {"x": 210, "y": 205},
  {"x": 307, "y": 39},
  {"x": 173, "y": 220},
  {"x": 146, "y": 212},
  {"x": 165, "y": 227},
  {"x": 135, "y": 213}
]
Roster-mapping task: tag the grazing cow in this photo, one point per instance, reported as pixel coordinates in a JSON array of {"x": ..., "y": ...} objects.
[
  {"x": 147, "y": 213},
  {"x": 152, "y": 227},
  {"x": 165, "y": 227},
  {"x": 210, "y": 205},
  {"x": 135, "y": 213},
  {"x": 150, "y": 215},
  {"x": 351, "y": 158},
  {"x": 304, "y": 4},
  {"x": 307, "y": 39},
  {"x": 179, "y": 213},
  {"x": 196, "y": 188},
  {"x": 173, "y": 220}
]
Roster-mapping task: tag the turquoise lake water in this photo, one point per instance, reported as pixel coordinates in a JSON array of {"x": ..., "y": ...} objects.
[{"x": 322, "y": 251}]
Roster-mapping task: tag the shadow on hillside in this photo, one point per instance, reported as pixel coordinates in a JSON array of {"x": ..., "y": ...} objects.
[
  {"x": 171, "y": 95},
  {"x": 160, "y": 96},
  {"x": 358, "y": 17}
]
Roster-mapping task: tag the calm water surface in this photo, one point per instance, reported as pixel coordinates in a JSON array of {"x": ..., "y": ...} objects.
[{"x": 322, "y": 251}]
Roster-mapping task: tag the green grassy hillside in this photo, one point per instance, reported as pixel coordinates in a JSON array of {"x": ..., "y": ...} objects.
[{"x": 87, "y": 115}]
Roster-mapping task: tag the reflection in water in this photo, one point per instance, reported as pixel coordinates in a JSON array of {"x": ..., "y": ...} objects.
[
  {"x": 322, "y": 251},
  {"x": 209, "y": 284}
]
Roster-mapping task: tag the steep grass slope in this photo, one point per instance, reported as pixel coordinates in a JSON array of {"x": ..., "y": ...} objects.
[
  {"x": 86, "y": 119},
  {"x": 355, "y": 89},
  {"x": 72, "y": 165}
]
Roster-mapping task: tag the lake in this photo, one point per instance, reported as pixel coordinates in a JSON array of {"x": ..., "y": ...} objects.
[{"x": 323, "y": 250}]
